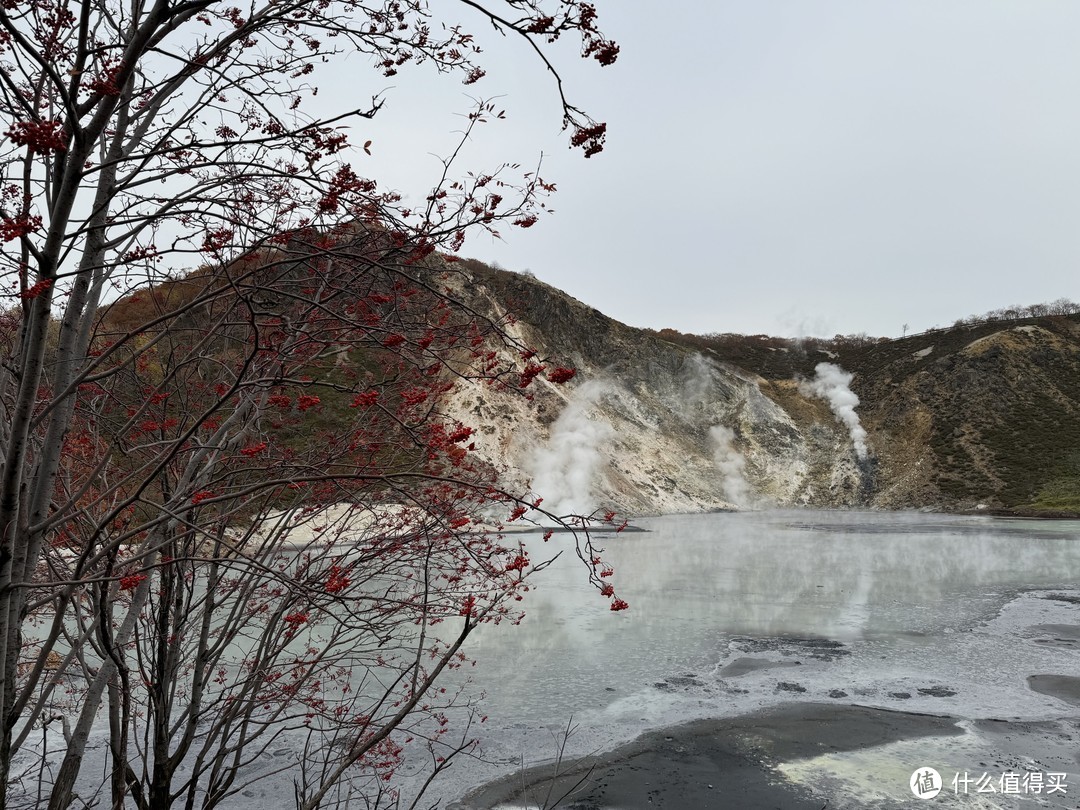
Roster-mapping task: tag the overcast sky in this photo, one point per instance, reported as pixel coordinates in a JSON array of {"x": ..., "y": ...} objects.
[{"x": 786, "y": 166}]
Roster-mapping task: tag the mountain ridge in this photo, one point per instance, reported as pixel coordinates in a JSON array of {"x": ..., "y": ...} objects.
[{"x": 982, "y": 416}]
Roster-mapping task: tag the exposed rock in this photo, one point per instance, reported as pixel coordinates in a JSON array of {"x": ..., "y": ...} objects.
[
  {"x": 659, "y": 401},
  {"x": 937, "y": 691},
  {"x": 788, "y": 686},
  {"x": 983, "y": 416}
]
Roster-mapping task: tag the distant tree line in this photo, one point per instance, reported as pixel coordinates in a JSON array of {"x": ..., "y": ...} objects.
[
  {"x": 729, "y": 342},
  {"x": 1016, "y": 312}
]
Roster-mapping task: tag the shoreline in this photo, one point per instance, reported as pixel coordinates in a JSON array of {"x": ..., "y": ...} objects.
[
  {"x": 799, "y": 756},
  {"x": 720, "y": 762},
  {"x": 1001, "y": 513},
  {"x": 854, "y": 754}
]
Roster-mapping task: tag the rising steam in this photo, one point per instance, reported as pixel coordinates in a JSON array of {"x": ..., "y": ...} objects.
[
  {"x": 731, "y": 465},
  {"x": 697, "y": 383},
  {"x": 832, "y": 383},
  {"x": 563, "y": 470}
]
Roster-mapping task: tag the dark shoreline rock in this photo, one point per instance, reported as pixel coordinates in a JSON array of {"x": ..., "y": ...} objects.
[{"x": 728, "y": 762}]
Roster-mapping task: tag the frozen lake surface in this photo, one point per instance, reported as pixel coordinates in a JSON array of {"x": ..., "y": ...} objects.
[{"x": 735, "y": 612}]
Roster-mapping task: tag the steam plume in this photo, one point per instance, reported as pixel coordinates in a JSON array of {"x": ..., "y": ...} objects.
[
  {"x": 832, "y": 383},
  {"x": 563, "y": 470},
  {"x": 731, "y": 465},
  {"x": 696, "y": 382}
]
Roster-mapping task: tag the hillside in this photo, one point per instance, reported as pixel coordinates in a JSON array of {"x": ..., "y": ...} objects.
[
  {"x": 638, "y": 432},
  {"x": 983, "y": 415},
  {"x": 988, "y": 414}
]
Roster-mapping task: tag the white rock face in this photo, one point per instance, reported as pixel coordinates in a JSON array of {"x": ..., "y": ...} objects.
[{"x": 634, "y": 430}]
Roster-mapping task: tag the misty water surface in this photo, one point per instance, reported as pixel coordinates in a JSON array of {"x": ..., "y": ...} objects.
[
  {"x": 906, "y": 595},
  {"x": 696, "y": 582}
]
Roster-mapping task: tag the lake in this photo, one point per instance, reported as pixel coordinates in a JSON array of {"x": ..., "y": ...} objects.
[
  {"x": 738, "y": 612},
  {"x": 870, "y": 604}
]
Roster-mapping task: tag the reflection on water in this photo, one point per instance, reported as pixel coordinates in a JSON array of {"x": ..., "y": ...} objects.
[{"x": 695, "y": 581}]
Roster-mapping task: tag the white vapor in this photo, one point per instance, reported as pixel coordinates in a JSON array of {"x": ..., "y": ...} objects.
[
  {"x": 562, "y": 471},
  {"x": 731, "y": 465},
  {"x": 696, "y": 383},
  {"x": 832, "y": 383}
]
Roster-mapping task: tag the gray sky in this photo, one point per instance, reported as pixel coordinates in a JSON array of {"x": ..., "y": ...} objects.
[{"x": 785, "y": 166}]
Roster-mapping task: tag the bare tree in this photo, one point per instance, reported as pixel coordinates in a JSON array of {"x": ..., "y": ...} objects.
[{"x": 168, "y": 436}]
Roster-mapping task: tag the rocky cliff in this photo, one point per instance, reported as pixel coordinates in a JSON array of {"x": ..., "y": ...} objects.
[{"x": 984, "y": 416}]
